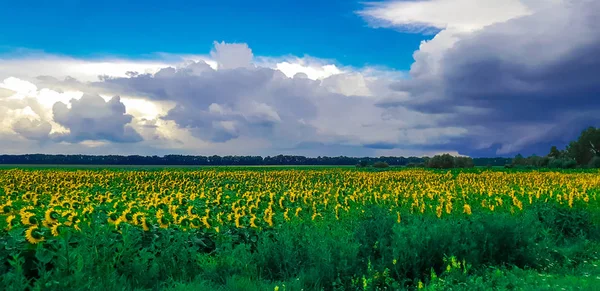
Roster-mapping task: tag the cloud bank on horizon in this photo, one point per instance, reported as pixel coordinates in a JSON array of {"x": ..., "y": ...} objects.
[{"x": 497, "y": 77}]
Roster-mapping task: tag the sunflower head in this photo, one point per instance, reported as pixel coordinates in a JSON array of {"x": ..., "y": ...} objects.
[
  {"x": 112, "y": 217},
  {"x": 185, "y": 222},
  {"x": 34, "y": 235},
  {"x": 9, "y": 221},
  {"x": 136, "y": 218},
  {"x": 145, "y": 224},
  {"x": 196, "y": 222},
  {"x": 6, "y": 208},
  {"x": 29, "y": 219},
  {"x": 51, "y": 216},
  {"x": 191, "y": 211},
  {"x": 164, "y": 223},
  {"x": 55, "y": 229},
  {"x": 128, "y": 216}
]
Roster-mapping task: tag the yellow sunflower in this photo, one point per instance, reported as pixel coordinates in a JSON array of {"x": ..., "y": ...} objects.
[
  {"x": 9, "y": 220},
  {"x": 33, "y": 235},
  {"x": 144, "y": 224},
  {"x": 51, "y": 216},
  {"x": 164, "y": 223},
  {"x": 54, "y": 229},
  {"x": 28, "y": 219},
  {"x": 6, "y": 208}
]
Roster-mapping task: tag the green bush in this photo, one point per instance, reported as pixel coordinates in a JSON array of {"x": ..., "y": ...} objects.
[
  {"x": 562, "y": 163},
  {"x": 594, "y": 162},
  {"x": 380, "y": 165}
]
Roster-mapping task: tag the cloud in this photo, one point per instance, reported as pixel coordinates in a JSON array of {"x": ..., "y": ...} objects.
[
  {"x": 461, "y": 15},
  {"x": 93, "y": 119},
  {"x": 6, "y": 93},
  {"x": 27, "y": 66},
  {"x": 232, "y": 55},
  {"x": 32, "y": 129},
  {"x": 229, "y": 102},
  {"x": 257, "y": 102},
  {"x": 520, "y": 78}
]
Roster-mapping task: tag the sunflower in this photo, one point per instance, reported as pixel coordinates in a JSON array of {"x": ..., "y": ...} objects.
[
  {"x": 164, "y": 223},
  {"x": 28, "y": 218},
  {"x": 33, "y": 235},
  {"x": 467, "y": 209},
  {"x": 9, "y": 220},
  {"x": 195, "y": 223},
  {"x": 66, "y": 204},
  {"x": 88, "y": 210},
  {"x": 191, "y": 211},
  {"x": 51, "y": 216},
  {"x": 184, "y": 221},
  {"x": 54, "y": 229},
  {"x": 6, "y": 208},
  {"x": 144, "y": 224},
  {"x": 136, "y": 218},
  {"x": 126, "y": 216},
  {"x": 160, "y": 214},
  {"x": 24, "y": 210},
  {"x": 112, "y": 217}
]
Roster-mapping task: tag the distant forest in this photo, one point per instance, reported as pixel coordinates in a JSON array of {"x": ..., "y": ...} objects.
[{"x": 183, "y": 160}]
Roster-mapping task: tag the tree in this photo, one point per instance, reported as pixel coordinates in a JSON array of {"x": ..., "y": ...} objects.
[
  {"x": 464, "y": 162},
  {"x": 594, "y": 162},
  {"x": 554, "y": 152},
  {"x": 445, "y": 161},
  {"x": 519, "y": 160},
  {"x": 586, "y": 146}
]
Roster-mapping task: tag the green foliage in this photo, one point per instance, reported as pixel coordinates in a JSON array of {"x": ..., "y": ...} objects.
[
  {"x": 594, "y": 162},
  {"x": 367, "y": 250},
  {"x": 562, "y": 163},
  {"x": 586, "y": 146},
  {"x": 447, "y": 161},
  {"x": 554, "y": 153},
  {"x": 463, "y": 162},
  {"x": 380, "y": 165},
  {"x": 416, "y": 165},
  {"x": 362, "y": 164}
]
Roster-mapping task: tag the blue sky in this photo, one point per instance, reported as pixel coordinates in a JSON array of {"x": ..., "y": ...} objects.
[
  {"x": 391, "y": 78},
  {"x": 327, "y": 29}
]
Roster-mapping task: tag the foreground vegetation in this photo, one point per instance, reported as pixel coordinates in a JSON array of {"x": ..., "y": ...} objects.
[{"x": 292, "y": 229}]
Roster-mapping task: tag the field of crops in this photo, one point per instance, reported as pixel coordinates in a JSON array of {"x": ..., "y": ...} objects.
[{"x": 285, "y": 228}]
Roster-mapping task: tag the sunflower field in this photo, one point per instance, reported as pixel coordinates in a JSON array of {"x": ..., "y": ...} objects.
[{"x": 294, "y": 228}]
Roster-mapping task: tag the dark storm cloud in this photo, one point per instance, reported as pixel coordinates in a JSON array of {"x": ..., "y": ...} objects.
[{"x": 518, "y": 83}]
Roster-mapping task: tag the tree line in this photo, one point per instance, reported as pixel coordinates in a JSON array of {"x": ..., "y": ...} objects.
[
  {"x": 584, "y": 152},
  {"x": 189, "y": 160}
]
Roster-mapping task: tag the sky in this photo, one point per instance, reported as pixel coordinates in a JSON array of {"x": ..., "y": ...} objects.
[{"x": 314, "y": 78}]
